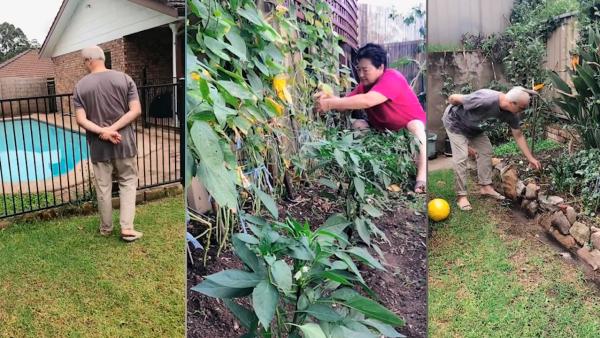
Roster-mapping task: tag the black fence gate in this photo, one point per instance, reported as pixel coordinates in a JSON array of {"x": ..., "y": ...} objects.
[{"x": 44, "y": 155}]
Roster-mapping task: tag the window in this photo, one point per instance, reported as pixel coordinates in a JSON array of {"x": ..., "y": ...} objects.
[{"x": 107, "y": 60}]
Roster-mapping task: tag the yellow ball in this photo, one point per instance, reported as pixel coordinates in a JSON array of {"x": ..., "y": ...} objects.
[{"x": 438, "y": 209}]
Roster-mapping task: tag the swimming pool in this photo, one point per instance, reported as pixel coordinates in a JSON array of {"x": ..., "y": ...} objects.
[{"x": 32, "y": 150}]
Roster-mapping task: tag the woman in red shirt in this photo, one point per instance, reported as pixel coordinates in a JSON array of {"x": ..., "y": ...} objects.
[{"x": 388, "y": 99}]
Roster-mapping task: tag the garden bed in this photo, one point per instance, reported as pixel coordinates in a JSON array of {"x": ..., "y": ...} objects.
[
  {"x": 565, "y": 219},
  {"x": 402, "y": 288}
]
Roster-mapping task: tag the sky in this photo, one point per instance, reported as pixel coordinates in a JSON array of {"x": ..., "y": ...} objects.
[
  {"x": 34, "y": 17},
  {"x": 402, "y": 6}
]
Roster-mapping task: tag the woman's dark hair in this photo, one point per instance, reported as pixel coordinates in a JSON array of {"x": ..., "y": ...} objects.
[{"x": 373, "y": 52}]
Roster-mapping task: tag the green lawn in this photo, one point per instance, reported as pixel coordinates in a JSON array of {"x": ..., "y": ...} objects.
[
  {"x": 62, "y": 279},
  {"x": 485, "y": 283}
]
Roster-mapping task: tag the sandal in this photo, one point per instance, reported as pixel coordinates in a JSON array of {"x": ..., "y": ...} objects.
[
  {"x": 420, "y": 187},
  {"x": 105, "y": 232},
  {"x": 465, "y": 207},
  {"x": 135, "y": 235},
  {"x": 496, "y": 196}
]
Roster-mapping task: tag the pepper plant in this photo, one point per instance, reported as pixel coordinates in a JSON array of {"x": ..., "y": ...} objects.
[
  {"x": 301, "y": 281},
  {"x": 359, "y": 170}
]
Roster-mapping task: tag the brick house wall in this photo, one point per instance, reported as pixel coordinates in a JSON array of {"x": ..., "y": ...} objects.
[
  {"x": 149, "y": 50},
  {"x": 70, "y": 68},
  {"x": 150, "y": 53}
]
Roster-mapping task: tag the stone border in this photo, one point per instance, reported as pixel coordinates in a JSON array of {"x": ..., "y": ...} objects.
[
  {"x": 89, "y": 207},
  {"x": 560, "y": 220}
]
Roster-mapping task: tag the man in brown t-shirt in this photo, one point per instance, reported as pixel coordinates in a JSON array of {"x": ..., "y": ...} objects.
[{"x": 106, "y": 104}]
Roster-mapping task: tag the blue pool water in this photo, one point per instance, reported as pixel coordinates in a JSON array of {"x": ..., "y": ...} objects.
[{"x": 31, "y": 150}]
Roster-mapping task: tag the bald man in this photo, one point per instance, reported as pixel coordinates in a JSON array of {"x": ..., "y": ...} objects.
[
  {"x": 463, "y": 119},
  {"x": 106, "y": 104}
]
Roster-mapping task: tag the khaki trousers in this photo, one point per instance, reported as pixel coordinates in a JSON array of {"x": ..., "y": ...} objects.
[
  {"x": 127, "y": 175},
  {"x": 460, "y": 153}
]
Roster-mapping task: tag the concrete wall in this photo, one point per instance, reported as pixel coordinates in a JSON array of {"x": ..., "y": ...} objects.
[
  {"x": 463, "y": 67},
  {"x": 448, "y": 20}
]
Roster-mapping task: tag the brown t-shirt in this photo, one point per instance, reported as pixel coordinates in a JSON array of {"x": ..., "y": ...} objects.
[{"x": 105, "y": 97}]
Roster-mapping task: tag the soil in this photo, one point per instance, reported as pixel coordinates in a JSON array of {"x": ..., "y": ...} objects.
[
  {"x": 402, "y": 288},
  {"x": 515, "y": 223}
]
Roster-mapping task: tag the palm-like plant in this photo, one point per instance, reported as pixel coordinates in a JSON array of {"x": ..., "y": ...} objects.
[{"x": 581, "y": 101}]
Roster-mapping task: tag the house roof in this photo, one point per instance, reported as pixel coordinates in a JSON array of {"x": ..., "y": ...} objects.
[
  {"x": 27, "y": 65},
  {"x": 68, "y": 8}
]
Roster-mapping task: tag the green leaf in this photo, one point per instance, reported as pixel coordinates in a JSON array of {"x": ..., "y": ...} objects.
[
  {"x": 220, "y": 184},
  {"x": 312, "y": 330},
  {"x": 372, "y": 309},
  {"x": 282, "y": 275},
  {"x": 251, "y": 14},
  {"x": 328, "y": 183},
  {"x": 246, "y": 317},
  {"x": 363, "y": 230},
  {"x": 264, "y": 302},
  {"x": 559, "y": 83},
  {"x": 372, "y": 211},
  {"x": 215, "y": 46},
  {"x": 339, "y": 157},
  {"x": 215, "y": 290},
  {"x": 247, "y": 238},
  {"x": 238, "y": 46},
  {"x": 344, "y": 332},
  {"x": 323, "y": 312},
  {"x": 255, "y": 219},
  {"x": 256, "y": 84},
  {"x": 206, "y": 139},
  {"x": 337, "y": 276},
  {"x": 344, "y": 257},
  {"x": 384, "y": 329},
  {"x": 360, "y": 186},
  {"x": 268, "y": 202},
  {"x": 236, "y": 90},
  {"x": 236, "y": 278},
  {"x": 246, "y": 255},
  {"x": 366, "y": 257}
]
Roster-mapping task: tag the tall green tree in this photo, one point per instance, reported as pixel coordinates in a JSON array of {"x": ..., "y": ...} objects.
[{"x": 12, "y": 41}]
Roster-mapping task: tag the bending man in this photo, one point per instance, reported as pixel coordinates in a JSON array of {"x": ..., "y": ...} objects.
[{"x": 462, "y": 120}]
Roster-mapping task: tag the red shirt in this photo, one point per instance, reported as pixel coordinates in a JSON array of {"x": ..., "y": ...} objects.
[{"x": 401, "y": 107}]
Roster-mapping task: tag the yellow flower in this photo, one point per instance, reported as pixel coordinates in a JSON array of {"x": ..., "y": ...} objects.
[
  {"x": 280, "y": 87},
  {"x": 281, "y": 9},
  {"x": 195, "y": 76},
  {"x": 538, "y": 87},
  {"x": 574, "y": 61}
]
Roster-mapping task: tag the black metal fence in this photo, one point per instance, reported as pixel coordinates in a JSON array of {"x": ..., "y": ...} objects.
[{"x": 44, "y": 155}]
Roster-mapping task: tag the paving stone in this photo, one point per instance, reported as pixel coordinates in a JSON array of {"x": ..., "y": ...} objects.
[
  {"x": 580, "y": 232},
  {"x": 531, "y": 191},
  {"x": 560, "y": 221},
  {"x": 566, "y": 241},
  {"x": 590, "y": 257},
  {"x": 571, "y": 215}
]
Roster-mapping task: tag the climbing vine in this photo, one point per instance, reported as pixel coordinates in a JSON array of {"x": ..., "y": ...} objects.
[{"x": 252, "y": 74}]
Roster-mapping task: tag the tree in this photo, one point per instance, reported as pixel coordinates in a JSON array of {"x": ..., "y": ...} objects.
[{"x": 12, "y": 41}]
